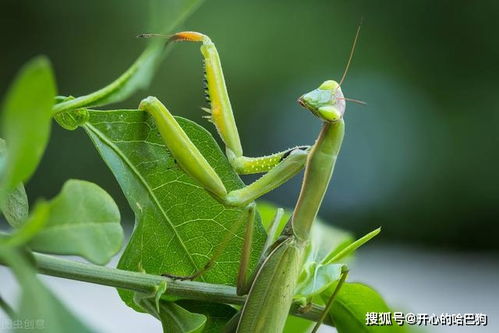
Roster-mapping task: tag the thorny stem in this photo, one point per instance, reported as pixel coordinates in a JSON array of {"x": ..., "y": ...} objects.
[{"x": 148, "y": 283}]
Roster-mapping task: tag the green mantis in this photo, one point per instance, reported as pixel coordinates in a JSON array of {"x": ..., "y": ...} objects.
[{"x": 270, "y": 291}]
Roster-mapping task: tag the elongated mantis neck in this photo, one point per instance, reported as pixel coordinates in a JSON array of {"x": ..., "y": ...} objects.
[{"x": 320, "y": 165}]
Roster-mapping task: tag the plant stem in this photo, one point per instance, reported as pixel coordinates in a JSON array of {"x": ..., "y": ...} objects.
[
  {"x": 6, "y": 308},
  {"x": 150, "y": 57},
  {"x": 148, "y": 283}
]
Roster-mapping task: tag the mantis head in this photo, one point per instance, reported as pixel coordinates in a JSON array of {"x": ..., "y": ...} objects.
[{"x": 326, "y": 102}]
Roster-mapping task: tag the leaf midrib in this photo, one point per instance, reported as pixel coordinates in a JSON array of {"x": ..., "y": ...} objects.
[{"x": 90, "y": 127}]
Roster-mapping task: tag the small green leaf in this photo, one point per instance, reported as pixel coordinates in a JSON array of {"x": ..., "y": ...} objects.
[
  {"x": 84, "y": 221},
  {"x": 351, "y": 306},
  {"x": 38, "y": 305},
  {"x": 15, "y": 207},
  {"x": 217, "y": 315},
  {"x": 25, "y": 123},
  {"x": 161, "y": 289},
  {"x": 173, "y": 317},
  {"x": 315, "y": 278},
  {"x": 72, "y": 119},
  {"x": 348, "y": 250}
]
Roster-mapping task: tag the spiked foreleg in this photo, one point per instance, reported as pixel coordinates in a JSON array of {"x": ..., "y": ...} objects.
[{"x": 220, "y": 111}]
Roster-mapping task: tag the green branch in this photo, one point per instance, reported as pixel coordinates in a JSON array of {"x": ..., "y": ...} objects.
[
  {"x": 6, "y": 308},
  {"x": 120, "y": 88},
  {"x": 147, "y": 283}
]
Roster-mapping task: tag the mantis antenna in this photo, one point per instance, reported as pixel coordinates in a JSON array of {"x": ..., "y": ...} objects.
[
  {"x": 353, "y": 100},
  {"x": 352, "y": 51}
]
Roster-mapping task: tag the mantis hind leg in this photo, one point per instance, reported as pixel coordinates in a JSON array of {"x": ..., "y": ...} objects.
[{"x": 243, "y": 283}]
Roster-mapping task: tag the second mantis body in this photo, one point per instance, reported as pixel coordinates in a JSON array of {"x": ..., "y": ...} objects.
[{"x": 271, "y": 289}]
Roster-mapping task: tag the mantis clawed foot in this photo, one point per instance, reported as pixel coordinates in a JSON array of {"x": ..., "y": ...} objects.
[{"x": 194, "y": 276}]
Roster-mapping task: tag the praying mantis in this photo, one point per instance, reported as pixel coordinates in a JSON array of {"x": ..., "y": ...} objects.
[{"x": 271, "y": 288}]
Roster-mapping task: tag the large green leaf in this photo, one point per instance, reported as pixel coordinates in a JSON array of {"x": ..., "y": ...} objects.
[
  {"x": 83, "y": 220},
  {"x": 178, "y": 224},
  {"x": 39, "y": 309},
  {"x": 353, "y": 302},
  {"x": 25, "y": 123}
]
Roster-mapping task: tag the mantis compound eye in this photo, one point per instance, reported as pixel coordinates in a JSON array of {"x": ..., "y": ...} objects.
[
  {"x": 330, "y": 113},
  {"x": 329, "y": 85}
]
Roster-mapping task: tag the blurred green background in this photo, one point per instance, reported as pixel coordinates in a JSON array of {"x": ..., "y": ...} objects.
[{"x": 421, "y": 159}]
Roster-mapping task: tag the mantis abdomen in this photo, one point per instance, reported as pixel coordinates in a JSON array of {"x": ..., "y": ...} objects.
[{"x": 271, "y": 294}]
